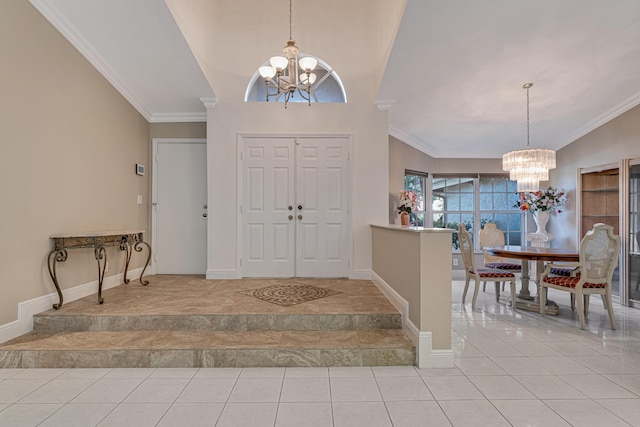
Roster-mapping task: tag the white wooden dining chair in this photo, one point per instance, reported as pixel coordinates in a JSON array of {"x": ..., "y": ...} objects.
[
  {"x": 491, "y": 235},
  {"x": 481, "y": 274},
  {"x": 599, "y": 250}
]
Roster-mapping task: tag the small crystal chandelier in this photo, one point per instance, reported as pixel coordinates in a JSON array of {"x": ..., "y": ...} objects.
[
  {"x": 288, "y": 79},
  {"x": 529, "y": 166}
]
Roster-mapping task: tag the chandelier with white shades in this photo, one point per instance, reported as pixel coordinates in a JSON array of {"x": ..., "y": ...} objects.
[
  {"x": 289, "y": 74},
  {"x": 529, "y": 167}
]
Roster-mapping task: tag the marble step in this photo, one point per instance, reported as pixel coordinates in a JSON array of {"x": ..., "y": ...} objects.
[
  {"x": 52, "y": 321},
  {"x": 162, "y": 348}
]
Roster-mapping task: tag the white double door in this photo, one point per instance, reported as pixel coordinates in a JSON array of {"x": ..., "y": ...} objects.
[{"x": 295, "y": 207}]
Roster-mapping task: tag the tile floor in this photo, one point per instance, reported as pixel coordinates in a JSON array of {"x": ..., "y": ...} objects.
[{"x": 511, "y": 368}]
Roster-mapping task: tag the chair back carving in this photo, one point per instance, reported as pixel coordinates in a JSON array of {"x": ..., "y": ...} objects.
[
  {"x": 491, "y": 235},
  {"x": 599, "y": 251},
  {"x": 466, "y": 248}
]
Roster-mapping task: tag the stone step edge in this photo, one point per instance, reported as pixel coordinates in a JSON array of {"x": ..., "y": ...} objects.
[
  {"x": 189, "y": 340},
  {"x": 240, "y": 322},
  {"x": 238, "y": 358},
  {"x": 353, "y": 348}
]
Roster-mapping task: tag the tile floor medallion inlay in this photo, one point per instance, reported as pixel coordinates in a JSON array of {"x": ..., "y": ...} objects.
[{"x": 289, "y": 294}]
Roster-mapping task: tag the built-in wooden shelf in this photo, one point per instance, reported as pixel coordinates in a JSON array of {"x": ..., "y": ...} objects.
[{"x": 600, "y": 199}]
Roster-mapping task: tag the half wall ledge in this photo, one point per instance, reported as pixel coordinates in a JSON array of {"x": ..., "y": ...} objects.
[{"x": 412, "y": 267}]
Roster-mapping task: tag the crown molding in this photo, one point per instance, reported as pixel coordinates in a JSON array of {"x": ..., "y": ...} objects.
[
  {"x": 604, "y": 118},
  {"x": 177, "y": 117},
  {"x": 385, "y": 104},
  {"x": 414, "y": 142},
  {"x": 209, "y": 102}
]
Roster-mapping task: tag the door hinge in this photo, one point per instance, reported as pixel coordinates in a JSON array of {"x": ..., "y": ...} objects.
[
  {"x": 240, "y": 262},
  {"x": 241, "y": 210},
  {"x": 241, "y": 155}
]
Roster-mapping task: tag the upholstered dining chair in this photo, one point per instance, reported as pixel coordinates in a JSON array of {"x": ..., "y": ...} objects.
[
  {"x": 637, "y": 258},
  {"x": 481, "y": 274},
  {"x": 491, "y": 235},
  {"x": 599, "y": 250}
]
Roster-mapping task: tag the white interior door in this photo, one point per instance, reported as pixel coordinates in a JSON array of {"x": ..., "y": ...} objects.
[
  {"x": 268, "y": 197},
  {"x": 295, "y": 207},
  {"x": 322, "y": 166},
  {"x": 180, "y": 207}
]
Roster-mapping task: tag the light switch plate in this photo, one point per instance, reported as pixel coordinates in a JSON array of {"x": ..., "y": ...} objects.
[{"x": 139, "y": 199}]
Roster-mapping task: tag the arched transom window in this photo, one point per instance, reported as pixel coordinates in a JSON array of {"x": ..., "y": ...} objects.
[{"x": 326, "y": 88}]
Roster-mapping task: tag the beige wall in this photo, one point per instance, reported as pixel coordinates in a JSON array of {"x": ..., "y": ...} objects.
[
  {"x": 616, "y": 140},
  {"x": 178, "y": 130},
  {"x": 69, "y": 143},
  {"x": 410, "y": 263}
]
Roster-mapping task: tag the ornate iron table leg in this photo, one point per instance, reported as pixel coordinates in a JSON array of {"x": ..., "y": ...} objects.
[
  {"x": 146, "y": 264},
  {"x": 60, "y": 256},
  {"x": 125, "y": 245},
  {"x": 101, "y": 257}
]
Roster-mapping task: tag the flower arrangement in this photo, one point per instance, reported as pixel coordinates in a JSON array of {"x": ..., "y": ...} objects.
[
  {"x": 408, "y": 201},
  {"x": 549, "y": 199}
]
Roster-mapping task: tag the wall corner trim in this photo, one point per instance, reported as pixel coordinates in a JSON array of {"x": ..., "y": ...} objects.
[{"x": 231, "y": 273}]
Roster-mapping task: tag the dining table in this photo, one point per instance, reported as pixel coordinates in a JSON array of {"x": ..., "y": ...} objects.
[{"x": 539, "y": 255}]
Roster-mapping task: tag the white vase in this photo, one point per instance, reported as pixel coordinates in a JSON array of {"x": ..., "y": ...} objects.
[{"x": 541, "y": 218}]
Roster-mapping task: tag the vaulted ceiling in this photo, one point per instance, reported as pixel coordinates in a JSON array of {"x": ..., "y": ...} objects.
[{"x": 452, "y": 71}]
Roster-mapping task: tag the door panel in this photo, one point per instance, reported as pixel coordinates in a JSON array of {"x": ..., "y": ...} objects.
[
  {"x": 179, "y": 203},
  {"x": 323, "y": 192},
  {"x": 268, "y": 191}
]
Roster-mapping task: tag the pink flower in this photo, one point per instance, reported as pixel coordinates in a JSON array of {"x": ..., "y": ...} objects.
[{"x": 549, "y": 199}]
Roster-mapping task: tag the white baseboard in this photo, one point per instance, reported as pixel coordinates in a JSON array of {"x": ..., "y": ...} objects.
[
  {"x": 426, "y": 355},
  {"x": 222, "y": 274},
  {"x": 395, "y": 298},
  {"x": 360, "y": 275},
  {"x": 27, "y": 309},
  {"x": 213, "y": 274}
]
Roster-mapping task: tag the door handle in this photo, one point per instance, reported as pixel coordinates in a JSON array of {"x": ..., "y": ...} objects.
[
  {"x": 204, "y": 215},
  {"x": 290, "y": 217},
  {"x": 299, "y": 207},
  {"x": 299, "y": 216},
  {"x": 290, "y": 207}
]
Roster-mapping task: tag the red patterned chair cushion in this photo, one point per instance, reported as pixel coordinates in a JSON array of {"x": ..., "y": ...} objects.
[
  {"x": 503, "y": 266},
  {"x": 493, "y": 274},
  {"x": 564, "y": 272},
  {"x": 571, "y": 282}
]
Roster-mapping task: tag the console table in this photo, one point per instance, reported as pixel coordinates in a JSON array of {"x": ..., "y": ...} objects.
[{"x": 126, "y": 240}]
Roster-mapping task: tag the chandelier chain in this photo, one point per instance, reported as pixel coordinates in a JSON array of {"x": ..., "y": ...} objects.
[
  {"x": 528, "y": 126},
  {"x": 288, "y": 74}
]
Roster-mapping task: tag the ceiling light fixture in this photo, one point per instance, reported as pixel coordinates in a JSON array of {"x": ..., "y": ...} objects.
[
  {"x": 288, "y": 79},
  {"x": 529, "y": 166}
]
